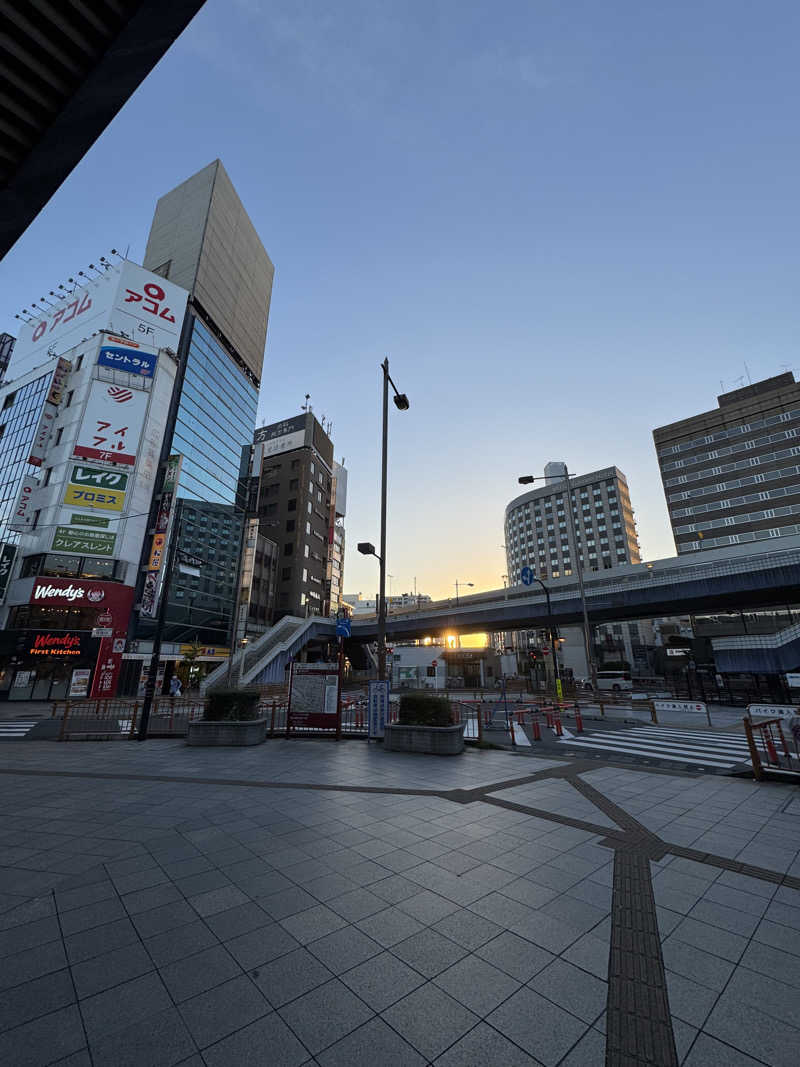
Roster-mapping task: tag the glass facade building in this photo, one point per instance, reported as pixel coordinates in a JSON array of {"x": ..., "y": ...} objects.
[
  {"x": 19, "y": 420},
  {"x": 216, "y": 414}
]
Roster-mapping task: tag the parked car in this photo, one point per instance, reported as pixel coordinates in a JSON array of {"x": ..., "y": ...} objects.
[{"x": 615, "y": 681}]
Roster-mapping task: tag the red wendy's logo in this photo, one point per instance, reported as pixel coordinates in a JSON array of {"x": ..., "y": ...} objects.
[{"x": 118, "y": 394}]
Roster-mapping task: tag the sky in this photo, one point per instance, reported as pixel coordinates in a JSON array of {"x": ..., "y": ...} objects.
[{"x": 564, "y": 222}]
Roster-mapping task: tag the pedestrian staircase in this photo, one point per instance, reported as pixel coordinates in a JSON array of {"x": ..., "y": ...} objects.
[{"x": 264, "y": 661}]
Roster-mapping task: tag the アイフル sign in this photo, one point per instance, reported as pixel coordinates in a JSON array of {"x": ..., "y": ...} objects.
[{"x": 112, "y": 424}]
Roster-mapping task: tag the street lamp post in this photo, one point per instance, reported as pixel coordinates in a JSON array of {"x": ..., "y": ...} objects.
[
  {"x": 401, "y": 402},
  {"x": 461, "y": 585},
  {"x": 552, "y": 631},
  {"x": 573, "y": 538}
]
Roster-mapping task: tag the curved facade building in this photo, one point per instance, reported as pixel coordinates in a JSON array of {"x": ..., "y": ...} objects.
[{"x": 538, "y": 534}]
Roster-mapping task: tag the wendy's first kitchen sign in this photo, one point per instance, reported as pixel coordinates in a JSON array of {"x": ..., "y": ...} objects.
[{"x": 58, "y": 643}]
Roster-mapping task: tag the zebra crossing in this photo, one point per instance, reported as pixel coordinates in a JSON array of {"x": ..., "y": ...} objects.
[
  {"x": 701, "y": 748},
  {"x": 15, "y": 729}
]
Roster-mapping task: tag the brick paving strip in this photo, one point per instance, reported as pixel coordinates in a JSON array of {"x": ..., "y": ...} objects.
[{"x": 639, "y": 1023}]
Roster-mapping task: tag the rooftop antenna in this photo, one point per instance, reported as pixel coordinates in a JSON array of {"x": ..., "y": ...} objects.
[
  {"x": 306, "y": 406},
  {"x": 747, "y": 372}
]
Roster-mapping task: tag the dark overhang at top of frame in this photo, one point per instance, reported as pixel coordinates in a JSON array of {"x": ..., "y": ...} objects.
[{"x": 66, "y": 69}]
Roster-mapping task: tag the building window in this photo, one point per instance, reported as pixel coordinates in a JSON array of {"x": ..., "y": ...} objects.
[
  {"x": 289, "y": 525},
  {"x": 47, "y": 475},
  {"x": 79, "y": 362},
  {"x": 294, "y": 484},
  {"x": 59, "y": 432},
  {"x": 288, "y": 549},
  {"x": 68, "y": 401},
  {"x": 292, "y": 506},
  {"x": 305, "y": 575},
  {"x": 286, "y": 574}
]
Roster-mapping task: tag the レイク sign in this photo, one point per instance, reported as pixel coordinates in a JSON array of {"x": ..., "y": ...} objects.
[{"x": 112, "y": 424}]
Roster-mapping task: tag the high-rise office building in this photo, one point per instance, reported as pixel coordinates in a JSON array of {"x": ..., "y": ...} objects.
[
  {"x": 537, "y": 534},
  {"x": 300, "y": 498},
  {"x": 732, "y": 475},
  {"x": 202, "y": 239}
]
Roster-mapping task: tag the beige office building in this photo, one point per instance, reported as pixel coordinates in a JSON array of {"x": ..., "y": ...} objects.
[
  {"x": 202, "y": 239},
  {"x": 732, "y": 475}
]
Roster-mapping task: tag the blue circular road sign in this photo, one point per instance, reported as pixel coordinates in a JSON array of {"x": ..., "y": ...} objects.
[{"x": 527, "y": 576}]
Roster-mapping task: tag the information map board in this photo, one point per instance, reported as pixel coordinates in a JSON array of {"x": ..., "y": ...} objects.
[{"x": 313, "y": 696}]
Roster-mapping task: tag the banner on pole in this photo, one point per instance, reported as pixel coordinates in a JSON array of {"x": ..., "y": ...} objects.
[{"x": 378, "y": 705}]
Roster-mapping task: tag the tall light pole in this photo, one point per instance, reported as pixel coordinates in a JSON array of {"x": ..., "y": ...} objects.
[
  {"x": 401, "y": 402},
  {"x": 573, "y": 538},
  {"x": 461, "y": 585},
  {"x": 551, "y": 628}
]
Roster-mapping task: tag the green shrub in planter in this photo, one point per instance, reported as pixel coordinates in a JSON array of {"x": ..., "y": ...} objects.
[
  {"x": 423, "y": 709},
  {"x": 239, "y": 705}
]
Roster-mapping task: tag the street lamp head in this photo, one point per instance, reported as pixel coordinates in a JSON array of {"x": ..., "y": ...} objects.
[
  {"x": 526, "y": 479},
  {"x": 366, "y": 549},
  {"x": 401, "y": 401},
  {"x": 470, "y": 584}
]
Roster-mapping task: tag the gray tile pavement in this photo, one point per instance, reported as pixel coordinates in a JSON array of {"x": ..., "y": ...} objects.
[{"x": 210, "y": 920}]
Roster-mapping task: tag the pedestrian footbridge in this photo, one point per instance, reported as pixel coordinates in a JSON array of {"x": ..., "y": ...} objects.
[{"x": 729, "y": 579}]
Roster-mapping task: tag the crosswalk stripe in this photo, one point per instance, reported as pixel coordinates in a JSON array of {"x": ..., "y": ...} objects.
[
  {"x": 660, "y": 731},
  {"x": 695, "y": 735},
  {"x": 699, "y": 747},
  {"x": 674, "y": 742},
  {"x": 687, "y": 756},
  {"x": 15, "y": 727}
]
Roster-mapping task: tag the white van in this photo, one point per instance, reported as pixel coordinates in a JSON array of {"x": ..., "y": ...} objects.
[{"x": 617, "y": 681}]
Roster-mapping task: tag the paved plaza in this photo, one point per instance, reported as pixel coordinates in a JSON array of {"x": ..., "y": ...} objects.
[{"x": 304, "y": 902}]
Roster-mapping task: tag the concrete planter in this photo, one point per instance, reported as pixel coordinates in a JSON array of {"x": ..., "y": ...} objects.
[
  {"x": 433, "y": 740},
  {"x": 232, "y": 732}
]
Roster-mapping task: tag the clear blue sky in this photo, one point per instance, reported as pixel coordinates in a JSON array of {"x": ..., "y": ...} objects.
[{"x": 564, "y": 221}]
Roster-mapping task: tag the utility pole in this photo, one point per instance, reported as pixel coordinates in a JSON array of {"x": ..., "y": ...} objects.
[
  {"x": 587, "y": 633},
  {"x": 152, "y": 677},
  {"x": 382, "y": 557}
]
